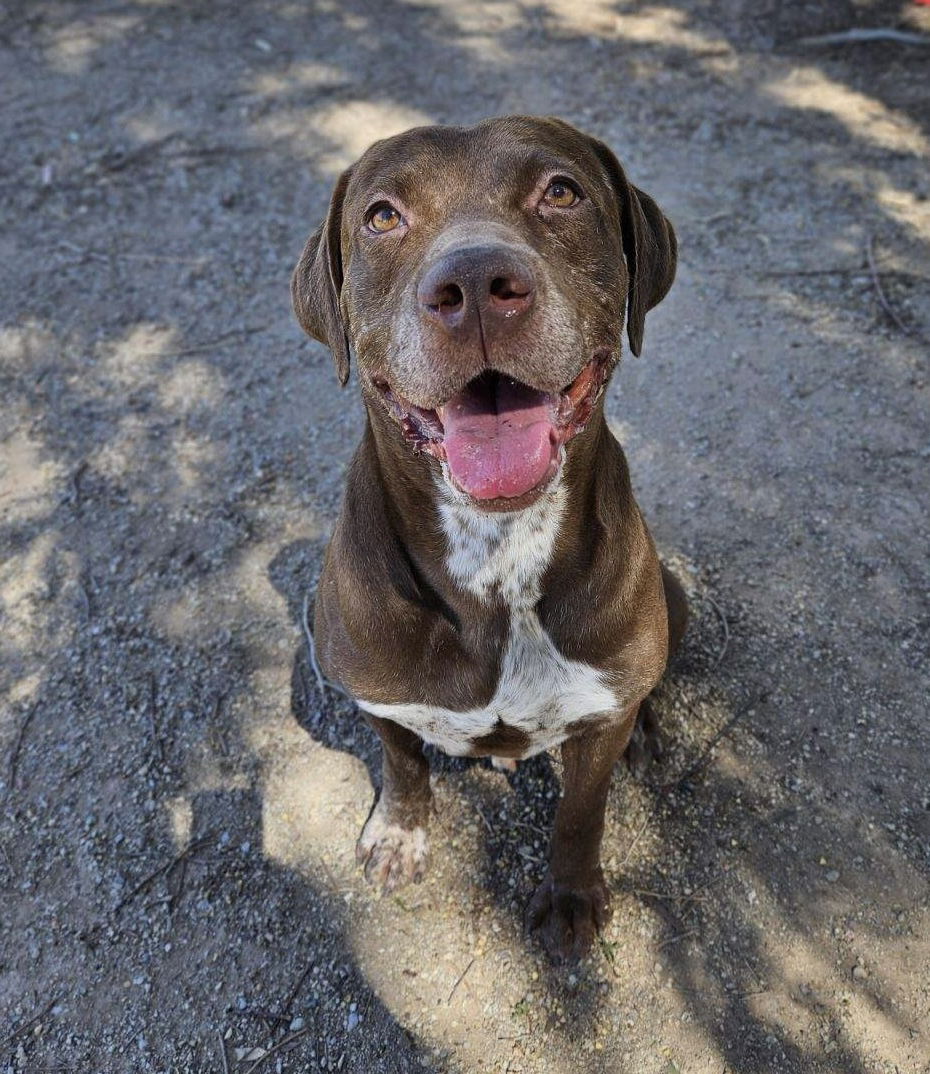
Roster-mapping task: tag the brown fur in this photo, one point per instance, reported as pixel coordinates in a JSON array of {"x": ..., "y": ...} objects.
[{"x": 391, "y": 625}]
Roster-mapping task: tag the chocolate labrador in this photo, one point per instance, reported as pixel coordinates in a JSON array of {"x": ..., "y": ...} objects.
[{"x": 490, "y": 586}]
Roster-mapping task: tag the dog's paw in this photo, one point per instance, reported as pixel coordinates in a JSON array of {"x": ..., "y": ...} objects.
[
  {"x": 645, "y": 745},
  {"x": 392, "y": 855},
  {"x": 568, "y": 916}
]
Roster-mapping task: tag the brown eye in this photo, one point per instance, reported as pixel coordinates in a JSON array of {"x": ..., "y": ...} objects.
[
  {"x": 383, "y": 218},
  {"x": 561, "y": 194}
]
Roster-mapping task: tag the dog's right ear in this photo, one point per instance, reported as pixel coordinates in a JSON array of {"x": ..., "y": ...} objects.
[{"x": 316, "y": 284}]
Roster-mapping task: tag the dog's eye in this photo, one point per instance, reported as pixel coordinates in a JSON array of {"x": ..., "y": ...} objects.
[
  {"x": 561, "y": 194},
  {"x": 383, "y": 218}
]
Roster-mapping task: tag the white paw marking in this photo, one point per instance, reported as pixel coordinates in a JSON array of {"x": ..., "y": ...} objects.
[{"x": 392, "y": 855}]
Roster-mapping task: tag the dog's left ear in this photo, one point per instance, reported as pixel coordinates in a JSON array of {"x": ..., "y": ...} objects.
[
  {"x": 649, "y": 245},
  {"x": 316, "y": 284}
]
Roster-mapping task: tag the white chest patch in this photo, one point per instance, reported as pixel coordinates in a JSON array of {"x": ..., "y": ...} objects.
[{"x": 539, "y": 691}]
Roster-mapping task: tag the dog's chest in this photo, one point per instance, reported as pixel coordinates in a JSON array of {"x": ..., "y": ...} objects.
[{"x": 540, "y": 692}]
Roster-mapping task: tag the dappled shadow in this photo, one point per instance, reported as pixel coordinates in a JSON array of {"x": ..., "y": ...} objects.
[{"x": 173, "y": 463}]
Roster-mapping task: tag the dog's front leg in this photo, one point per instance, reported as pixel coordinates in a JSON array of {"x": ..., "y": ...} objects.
[
  {"x": 393, "y": 845},
  {"x": 572, "y": 903}
]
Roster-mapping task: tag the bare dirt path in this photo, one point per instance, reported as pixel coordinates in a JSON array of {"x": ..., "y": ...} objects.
[{"x": 177, "y": 887}]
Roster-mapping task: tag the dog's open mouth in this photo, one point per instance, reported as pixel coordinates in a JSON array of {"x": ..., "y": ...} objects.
[{"x": 500, "y": 439}]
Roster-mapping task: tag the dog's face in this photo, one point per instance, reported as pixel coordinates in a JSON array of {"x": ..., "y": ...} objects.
[{"x": 482, "y": 276}]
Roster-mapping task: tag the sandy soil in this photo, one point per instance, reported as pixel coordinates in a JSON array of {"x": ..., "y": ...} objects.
[{"x": 177, "y": 884}]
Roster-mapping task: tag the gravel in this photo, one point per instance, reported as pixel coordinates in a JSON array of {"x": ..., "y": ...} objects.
[{"x": 178, "y": 806}]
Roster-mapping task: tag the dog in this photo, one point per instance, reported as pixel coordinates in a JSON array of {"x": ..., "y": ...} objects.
[{"x": 490, "y": 586}]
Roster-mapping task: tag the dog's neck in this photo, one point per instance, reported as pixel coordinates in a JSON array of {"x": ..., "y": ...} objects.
[
  {"x": 501, "y": 554},
  {"x": 489, "y": 553}
]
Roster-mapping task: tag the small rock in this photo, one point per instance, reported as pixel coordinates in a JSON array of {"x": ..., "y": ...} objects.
[
  {"x": 352, "y": 1021},
  {"x": 297, "y": 1023},
  {"x": 860, "y": 973},
  {"x": 832, "y": 876},
  {"x": 248, "y": 1055}
]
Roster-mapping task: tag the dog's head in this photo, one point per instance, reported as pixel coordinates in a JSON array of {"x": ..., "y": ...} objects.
[{"x": 482, "y": 276}]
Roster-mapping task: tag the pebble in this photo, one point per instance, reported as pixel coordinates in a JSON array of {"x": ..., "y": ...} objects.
[
  {"x": 860, "y": 973},
  {"x": 832, "y": 876}
]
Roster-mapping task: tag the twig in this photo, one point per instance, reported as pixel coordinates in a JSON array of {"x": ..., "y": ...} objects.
[
  {"x": 640, "y": 833},
  {"x": 76, "y": 483},
  {"x": 704, "y": 757},
  {"x": 861, "y": 35},
  {"x": 726, "y": 631},
  {"x": 277, "y": 1048},
  {"x": 82, "y": 589},
  {"x": 321, "y": 681},
  {"x": 152, "y": 709},
  {"x": 292, "y": 995},
  {"x": 223, "y": 1053},
  {"x": 175, "y": 896},
  {"x": 673, "y": 785},
  {"x": 859, "y": 270},
  {"x": 459, "y": 979},
  {"x": 209, "y": 344},
  {"x": 116, "y": 161},
  {"x": 148, "y": 880},
  {"x": 779, "y": 273},
  {"x": 675, "y": 939},
  {"x": 879, "y": 290},
  {"x": 268, "y": 1016},
  {"x": 311, "y": 647},
  {"x": 668, "y": 896},
  {"x": 17, "y": 747},
  {"x": 487, "y": 823},
  {"x": 27, "y": 1025}
]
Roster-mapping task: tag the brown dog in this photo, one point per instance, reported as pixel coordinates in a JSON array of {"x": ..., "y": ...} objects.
[{"x": 490, "y": 586}]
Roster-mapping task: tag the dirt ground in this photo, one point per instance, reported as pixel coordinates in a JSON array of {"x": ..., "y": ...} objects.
[{"x": 178, "y": 809}]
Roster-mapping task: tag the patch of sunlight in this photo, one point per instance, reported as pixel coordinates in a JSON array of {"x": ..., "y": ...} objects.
[
  {"x": 180, "y": 819},
  {"x": 666, "y": 26},
  {"x": 71, "y": 47},
  {"x": 21, "y": 345},
  {"x": 29, "y": 482},
  {"x": 905, "y": 207},
  {"x": 37, "y": 591},
  {"x": 127, "y": 446},
  {"x": 351, "y": 127},
  {"x": 151, "y": 128},
  {"x": 314, "y": 803},
  {"x": 24, "y": 689},
  {"x": 299, "y": 75},
  {"x": 239, "y": 595},
  {"x": 137, "y": 353},
  {"x": 193, "y": 457},
  {"x": 191, "y": 384},
  {"x": 802, "y": 979},
  {"x": 809, "y": 89},
  {"x": 23, "y": 580}
]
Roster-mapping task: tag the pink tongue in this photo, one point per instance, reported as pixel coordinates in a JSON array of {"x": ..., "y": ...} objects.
[{"x": 499, "y": 437}]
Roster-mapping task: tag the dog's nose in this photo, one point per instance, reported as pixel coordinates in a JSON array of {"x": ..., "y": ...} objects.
[{"x": 491, "y": 281}]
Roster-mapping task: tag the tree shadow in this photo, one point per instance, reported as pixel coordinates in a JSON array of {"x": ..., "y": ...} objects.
[{"x": 171, "y": 448}]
